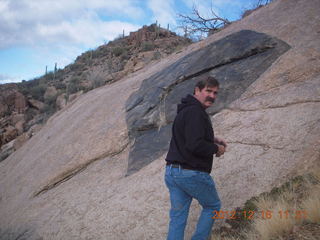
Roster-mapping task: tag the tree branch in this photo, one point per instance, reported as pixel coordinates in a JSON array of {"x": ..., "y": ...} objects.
[{"x": 196, "y": 23}]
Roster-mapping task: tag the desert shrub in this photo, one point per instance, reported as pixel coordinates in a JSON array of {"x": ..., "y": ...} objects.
[
  {"x": 48, "y": 111},
  {"x": 72, "y": 88},
  {"x": 156, "y": 55},
  {"x": 76, "y": 67},
  {"x": 117, "y": 51},
  {"x": 125, "y": 56},
  {"x": 147, "y": 46},
  {"x": 153, "y": 28},
  {"x": 59, "y": 85},
  {"x": 49, "y": 76},
  {"x": 98, "y": 53},
  {"x": 30, "y": 113},
  {"x": 74, "y": 85},
  {"x": 51, "y": 100},
  {"x": 38, "y": 91}
]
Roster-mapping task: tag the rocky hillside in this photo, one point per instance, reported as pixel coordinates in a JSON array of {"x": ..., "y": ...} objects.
[
  {"x": 95, "y": 169},
  {"x": 26, "y": 106}
]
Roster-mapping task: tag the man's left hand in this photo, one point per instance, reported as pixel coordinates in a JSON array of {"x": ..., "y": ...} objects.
[{"x": 220, "y": 141}]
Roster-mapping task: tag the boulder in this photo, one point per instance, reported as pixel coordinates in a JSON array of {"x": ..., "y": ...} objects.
[
  {"x": 20, "y": 126},
  {"x": 10, "y": 133},
  {"x": 20, "y": 103},
  {"x": 17, "y": 117},
  {"x": 61, "y": 101},
  {"x": 3, "y": 108},
  {"x": 36, "y": 104},
  {"x": 6, "y": 150},
  {"x": 73, "y": 96},
  {"x": 11, "y": 100},
  {"x": 20, "y": 140},
  {"x": 50, "y": 93}
]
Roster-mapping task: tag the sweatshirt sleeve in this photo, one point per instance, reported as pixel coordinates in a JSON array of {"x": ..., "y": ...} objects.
[{"x": 195, "y": 134}]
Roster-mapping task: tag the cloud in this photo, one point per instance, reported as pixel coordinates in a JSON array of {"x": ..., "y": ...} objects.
[
  {"x": 3, "y": 77},
  {"x": 29, "y": 23},
  {"x": 163, "y": 12},
  {"x": 85, "y": 31},
  {"x": 8, "y": 79}
]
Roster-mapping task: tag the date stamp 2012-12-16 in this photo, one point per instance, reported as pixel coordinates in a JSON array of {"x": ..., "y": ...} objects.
[{"x": 249, "y": 215}]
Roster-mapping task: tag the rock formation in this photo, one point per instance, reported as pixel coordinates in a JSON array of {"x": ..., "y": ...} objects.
[
  {"x": 73, "y": 179},
  {"x": 227, "y": 60},
  {"x": 40, "y": 98}
]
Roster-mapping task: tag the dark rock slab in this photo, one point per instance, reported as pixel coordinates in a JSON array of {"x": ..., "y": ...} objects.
[
  {"x": 236, "y": 61},
  {"x": 147, "y": 147}
]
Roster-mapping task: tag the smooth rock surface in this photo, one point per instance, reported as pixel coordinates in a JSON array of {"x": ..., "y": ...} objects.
[{"x": 69, "y": 180}]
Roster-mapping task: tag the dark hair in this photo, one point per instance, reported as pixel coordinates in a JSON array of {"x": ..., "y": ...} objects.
[{"x": 207, "y": 81}]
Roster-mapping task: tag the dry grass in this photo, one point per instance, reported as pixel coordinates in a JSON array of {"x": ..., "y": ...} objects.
[
  {"x": 224, "y": 238},
  {"x": 274, "y": 221},
  {"x": 297, "y": 204},
  {"x": 282, "y": 213},
  {"x": 311, "y": 206}
]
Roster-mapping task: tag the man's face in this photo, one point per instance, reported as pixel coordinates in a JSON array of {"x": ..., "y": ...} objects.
[{"x": 206, "y": 96}]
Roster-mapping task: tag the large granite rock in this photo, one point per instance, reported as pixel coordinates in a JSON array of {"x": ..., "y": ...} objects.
[
  {"x": 61, "y": 101},
  {"x": 236, "y": 61},
  {"x": 36, "y": 104},
  {"x": 11, "y": 100},
  {"x": 50, "y": 93},
  {"x": 68, "y": 180}
]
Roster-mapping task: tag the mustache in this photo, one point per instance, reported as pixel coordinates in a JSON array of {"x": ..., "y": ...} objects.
[{"x": 210, "y": 99}]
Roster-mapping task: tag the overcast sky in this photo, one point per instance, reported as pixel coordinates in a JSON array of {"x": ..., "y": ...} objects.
[{"x": 36, "y": 33}]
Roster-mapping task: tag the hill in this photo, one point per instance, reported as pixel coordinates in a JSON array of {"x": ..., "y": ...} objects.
[
  {"x": 26, "y": 106},
  {"x": 95, "y": 169}
]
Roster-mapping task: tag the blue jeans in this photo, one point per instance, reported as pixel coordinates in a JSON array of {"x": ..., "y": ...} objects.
[{"x": 184, "y": 185}]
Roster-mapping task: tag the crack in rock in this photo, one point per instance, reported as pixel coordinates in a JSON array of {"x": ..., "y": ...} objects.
[
  {"x": 263, "y": 145},
  {"x": 270, "y": 107},
  {"x": 69, "y": 173}
]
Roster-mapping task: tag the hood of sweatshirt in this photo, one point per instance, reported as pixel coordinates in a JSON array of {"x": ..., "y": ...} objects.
[{"x": 188, "y": 101}]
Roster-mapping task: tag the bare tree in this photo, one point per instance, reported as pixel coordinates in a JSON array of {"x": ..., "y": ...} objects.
[
  {"x": 262, "y": 2},
  {"x": 196, "y": 24}
]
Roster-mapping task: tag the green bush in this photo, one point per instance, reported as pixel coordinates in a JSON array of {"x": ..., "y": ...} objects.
[
  {"x": 148, "y": 46},
  {"x": 74, "y": 86},
  {"x": 117, "y": 51},
  {"x": 156, "y": 55},
  {"x": 76, "y": 67},
  {"x": 59, "y": 85},
  {"x": 38, "y": 91},
  {"x": 125, "y": 56},
  {"x": 51, "y": 100},
  {"x": 49, "y": 76}
]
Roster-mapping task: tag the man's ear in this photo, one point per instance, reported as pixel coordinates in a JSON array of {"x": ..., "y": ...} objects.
[{"x": 196, "y": 90}]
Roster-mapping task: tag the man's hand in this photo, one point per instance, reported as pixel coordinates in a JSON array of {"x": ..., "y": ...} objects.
[
  {"x": 221, "y": 150},
  {"x": 220, "y": 141}
]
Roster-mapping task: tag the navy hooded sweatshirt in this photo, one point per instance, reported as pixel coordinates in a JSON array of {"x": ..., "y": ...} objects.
[{"x": 192, "y": 143}]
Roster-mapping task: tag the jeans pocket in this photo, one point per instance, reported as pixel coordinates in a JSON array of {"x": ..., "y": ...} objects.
[{"x": 188, "y": 173}]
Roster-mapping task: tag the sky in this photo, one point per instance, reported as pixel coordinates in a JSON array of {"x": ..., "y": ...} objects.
[{"x": 39, "y": 33}]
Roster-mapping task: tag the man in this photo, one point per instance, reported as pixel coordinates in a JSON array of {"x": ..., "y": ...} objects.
[{"x": 189, "y": 162}]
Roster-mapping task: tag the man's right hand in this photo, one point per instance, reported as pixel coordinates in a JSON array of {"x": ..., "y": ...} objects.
[{"x": 221, "y": 150}]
